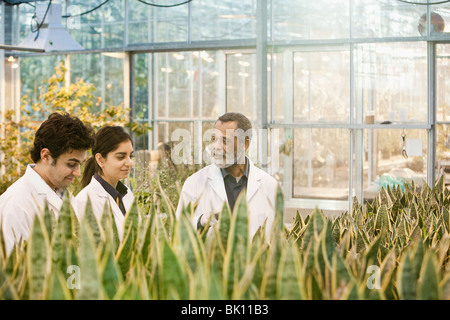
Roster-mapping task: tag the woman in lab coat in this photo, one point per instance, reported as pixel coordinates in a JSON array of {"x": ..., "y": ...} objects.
[{"x": 111, "y": 161}]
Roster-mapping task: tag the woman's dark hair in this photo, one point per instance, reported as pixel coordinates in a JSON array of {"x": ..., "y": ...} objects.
[
  {"x": 61, "y": 133},
  {"x": 107, "y": 139}
]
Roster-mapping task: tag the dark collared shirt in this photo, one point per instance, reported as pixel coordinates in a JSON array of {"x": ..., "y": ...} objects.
[
  {"x": 118, "y": 193},
  {"x": 234, "y": 187}
]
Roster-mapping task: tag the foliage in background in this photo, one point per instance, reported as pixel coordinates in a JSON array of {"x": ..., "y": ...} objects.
[
  {"x": 396, "y": 247},
  {"x": 55, "y": 96}
]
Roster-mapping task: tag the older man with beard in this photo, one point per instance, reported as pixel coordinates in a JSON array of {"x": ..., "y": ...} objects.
[{"x": 230, "y": 173}]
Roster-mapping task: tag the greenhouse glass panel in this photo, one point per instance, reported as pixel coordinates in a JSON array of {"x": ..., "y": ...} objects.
[
  {"x": 394, "y": 157},
  {"x": 223, "y": 19},
  {"x": 309, "y": 20},
  {"x": 443, "y": 111},
  {"x": 35, "y": 73},
  {"x": 278, "y": 70},
  {"x": 391, "y": 81},
  {"x": 101, "y": 28},
  {"x": 393, "y": 18},
  {"x": 187, "y": 84},
  {"x": 443, "y": 82},
  {"x": 139, "y": 26},
  {"x": 104, "y": 71},
  {"x": 321, "y": 163},
  {"x": 440, "y": 19},
  {"x": 241, "y": 84},
  {"x": 151, "y": 24},
  {"x": 321, "y": 86},
  {"x": 387, "y": 18},
  {"x": 25, "y": 16},
  {"x": 142, "y": 95}
]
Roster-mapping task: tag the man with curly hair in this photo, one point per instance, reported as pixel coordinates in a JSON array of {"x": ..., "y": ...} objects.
[{"x": 60, "y": 147}]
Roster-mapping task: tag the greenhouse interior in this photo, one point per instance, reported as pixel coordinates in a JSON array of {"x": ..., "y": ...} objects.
[
  {"x": 345, "y": 97},
  {"x": 348, "y": 106}
]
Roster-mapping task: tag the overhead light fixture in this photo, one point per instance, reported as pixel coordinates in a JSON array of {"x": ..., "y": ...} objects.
[{"x": 50, "y": 34}]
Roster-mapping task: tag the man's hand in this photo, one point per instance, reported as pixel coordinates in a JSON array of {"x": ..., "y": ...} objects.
[{"x": 208, "y": 218}]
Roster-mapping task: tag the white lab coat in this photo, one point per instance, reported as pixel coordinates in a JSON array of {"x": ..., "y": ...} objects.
[
  {"x": 22, "y": 201},
  {"x": 98, "y": 196},
  {"x": 207, "y": 187}
]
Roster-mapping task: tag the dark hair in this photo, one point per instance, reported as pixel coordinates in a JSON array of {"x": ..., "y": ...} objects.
[
  {"x": 61, "y": 133},
  {"x": 107, "y": 139},
  {"x": 242, "y": 122}
]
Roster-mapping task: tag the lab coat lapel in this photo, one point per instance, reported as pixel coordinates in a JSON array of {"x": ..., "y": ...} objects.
[
  {"x": 215, "y": 179},
  {"x": 254, "y": 181}
]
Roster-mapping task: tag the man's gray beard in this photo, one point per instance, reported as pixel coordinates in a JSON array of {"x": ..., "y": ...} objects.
[{"x": 223, "y": 164}]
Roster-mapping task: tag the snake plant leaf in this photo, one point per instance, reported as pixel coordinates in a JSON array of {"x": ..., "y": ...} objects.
[
  {"x": 269, "y": 281},
  {"x": 125, "y": 251},
  {"x": 444, "y": 287},
  {"x": 308, "y": 233},
  {"x": 146, "y": 240},
  {"x": 224, "y": 225},
  {"x": 75, "y": 229},
  {"x": 314, "y": 289},
  {"x": 336, "y": 231},
  {"x": 443, "y": 250},
  {"x": 384, "y": 197},
  {"x": 416, "y": 234},
  {"x": 38, "y": 259},
  {"x": 65, "y": 218},
  {"x": 406, "y": 280},
  {"x": 58, "y": 287},
  {"x": 109, "y": 227},
  {"x": 278, "y": 222},
  {"x": 319, "y": 260},
  {"x": 308, "y": 259},
  {"x": 417, "y": 259},
  {"x": 382, "y": 220},
  {"x": 388, "y": 266},
  {"x": 215, "y": 287},
  {"x": 111, "y": 276},
  {"x": 319, "y": 221},
  {"x": 7, "y": 290},
  {"x": 428, "y": 286},
  {"x": 360, "y": 243},
  {"x": 371, "y": 253},
  {"x": 132, "y": 221},
  {"x": 186, "y": 243},
  {"x": 340, "y": 276},
  {"x": 351, "y": 292},
  {"x": 414, "y": 211},
  {"x": 237, "y": 253},
  {"x": 446, "y": 218},
  {"x": 173, "y": 277},
  {"x": 93, "y": 223},
  {"x": 47, "y": 219},
  {"x": 58, "y": 245},
  {"x": 90, "y": 284},
  {"x": 288, "y": 282},
  {"x": 328, "y": 243}
]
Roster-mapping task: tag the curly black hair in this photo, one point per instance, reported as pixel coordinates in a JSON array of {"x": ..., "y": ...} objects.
[{"x": 61, "y": 133}]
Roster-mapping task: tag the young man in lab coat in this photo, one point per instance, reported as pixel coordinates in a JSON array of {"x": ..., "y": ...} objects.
[
  {"x": 59, "y": 148},
  {"x": 230, "y": 173}
]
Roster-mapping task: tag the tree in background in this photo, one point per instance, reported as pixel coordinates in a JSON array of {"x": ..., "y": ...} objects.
[{"x": 17, "y": 133}]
